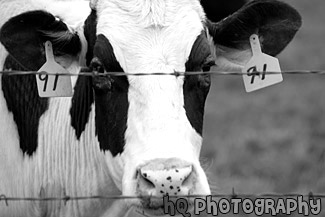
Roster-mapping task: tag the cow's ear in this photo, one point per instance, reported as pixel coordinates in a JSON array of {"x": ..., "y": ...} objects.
[
  {"x": 24, "y": 36},
  {"x": 275, "y": 22},
  {"x": 216, "y": 10}
]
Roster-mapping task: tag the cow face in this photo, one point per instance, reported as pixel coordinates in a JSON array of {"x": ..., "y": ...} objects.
[
  {"x": 162, "y": 114},
  {"x": 149, "y": 127}
]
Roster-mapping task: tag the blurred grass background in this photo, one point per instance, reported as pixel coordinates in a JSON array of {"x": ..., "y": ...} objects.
[{"x": 272, "y": 140}]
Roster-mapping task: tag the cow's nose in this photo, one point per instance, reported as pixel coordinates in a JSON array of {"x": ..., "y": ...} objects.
[{"x": 165, "y": 177}]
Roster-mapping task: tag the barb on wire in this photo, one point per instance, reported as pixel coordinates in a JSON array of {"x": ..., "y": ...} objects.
[
  {"x": 88, "y": 72},
  {"x": 66, "y": 199},
  {"x": 3, "y": 197},
  {"x": 234, "y": 195}
]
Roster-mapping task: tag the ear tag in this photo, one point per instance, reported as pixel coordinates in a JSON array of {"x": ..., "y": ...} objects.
[
  {"x": 53, "y": 85},
  {"x": 263, "y": 63}
]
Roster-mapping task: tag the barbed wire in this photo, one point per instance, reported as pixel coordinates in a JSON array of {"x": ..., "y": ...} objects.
[
  {"x": 66, "y": 199},
  {"x": 88, "y": 72}
]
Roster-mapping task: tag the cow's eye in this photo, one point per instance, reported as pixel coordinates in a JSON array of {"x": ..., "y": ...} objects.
[
  {"x": 204, "y": 79},
  {"x": 96, "y": 65},
  {"x": 206, "y": 68},
  {"x": 208, "y": 64},
  {"x": 101, "y": 84}
]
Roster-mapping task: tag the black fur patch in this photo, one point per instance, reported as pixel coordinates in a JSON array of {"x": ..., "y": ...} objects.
[
  {"x": 82, "y": 100},
  {"x": 90, "y": 34},
  {"x": 27, "y": 107},
  {"x": 24, "y": 36},
  {"x": 275, "y": 22},
  {"x": 196, "y": 87},
  {"x": 83, "y": 97},
  {"x": 111, "y": 100}
]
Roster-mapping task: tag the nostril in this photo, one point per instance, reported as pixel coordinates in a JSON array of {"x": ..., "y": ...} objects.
[
  {"x": 187, "y": 179},
  {"x": 145, "y": 181}
]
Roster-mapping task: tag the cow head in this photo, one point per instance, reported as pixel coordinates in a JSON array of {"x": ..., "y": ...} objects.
[{"x": 149, "y": 127}]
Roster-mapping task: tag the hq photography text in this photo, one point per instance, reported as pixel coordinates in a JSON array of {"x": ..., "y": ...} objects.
[{"x": 258, "y": 206}]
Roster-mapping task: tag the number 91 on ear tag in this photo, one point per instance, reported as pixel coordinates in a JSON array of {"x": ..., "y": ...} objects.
[
  {"x": 53, "y": 85},
  {"x": 255, "y": 72}
]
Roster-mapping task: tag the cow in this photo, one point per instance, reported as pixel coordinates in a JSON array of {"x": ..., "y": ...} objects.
[{"x": 125, "y": 135}]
